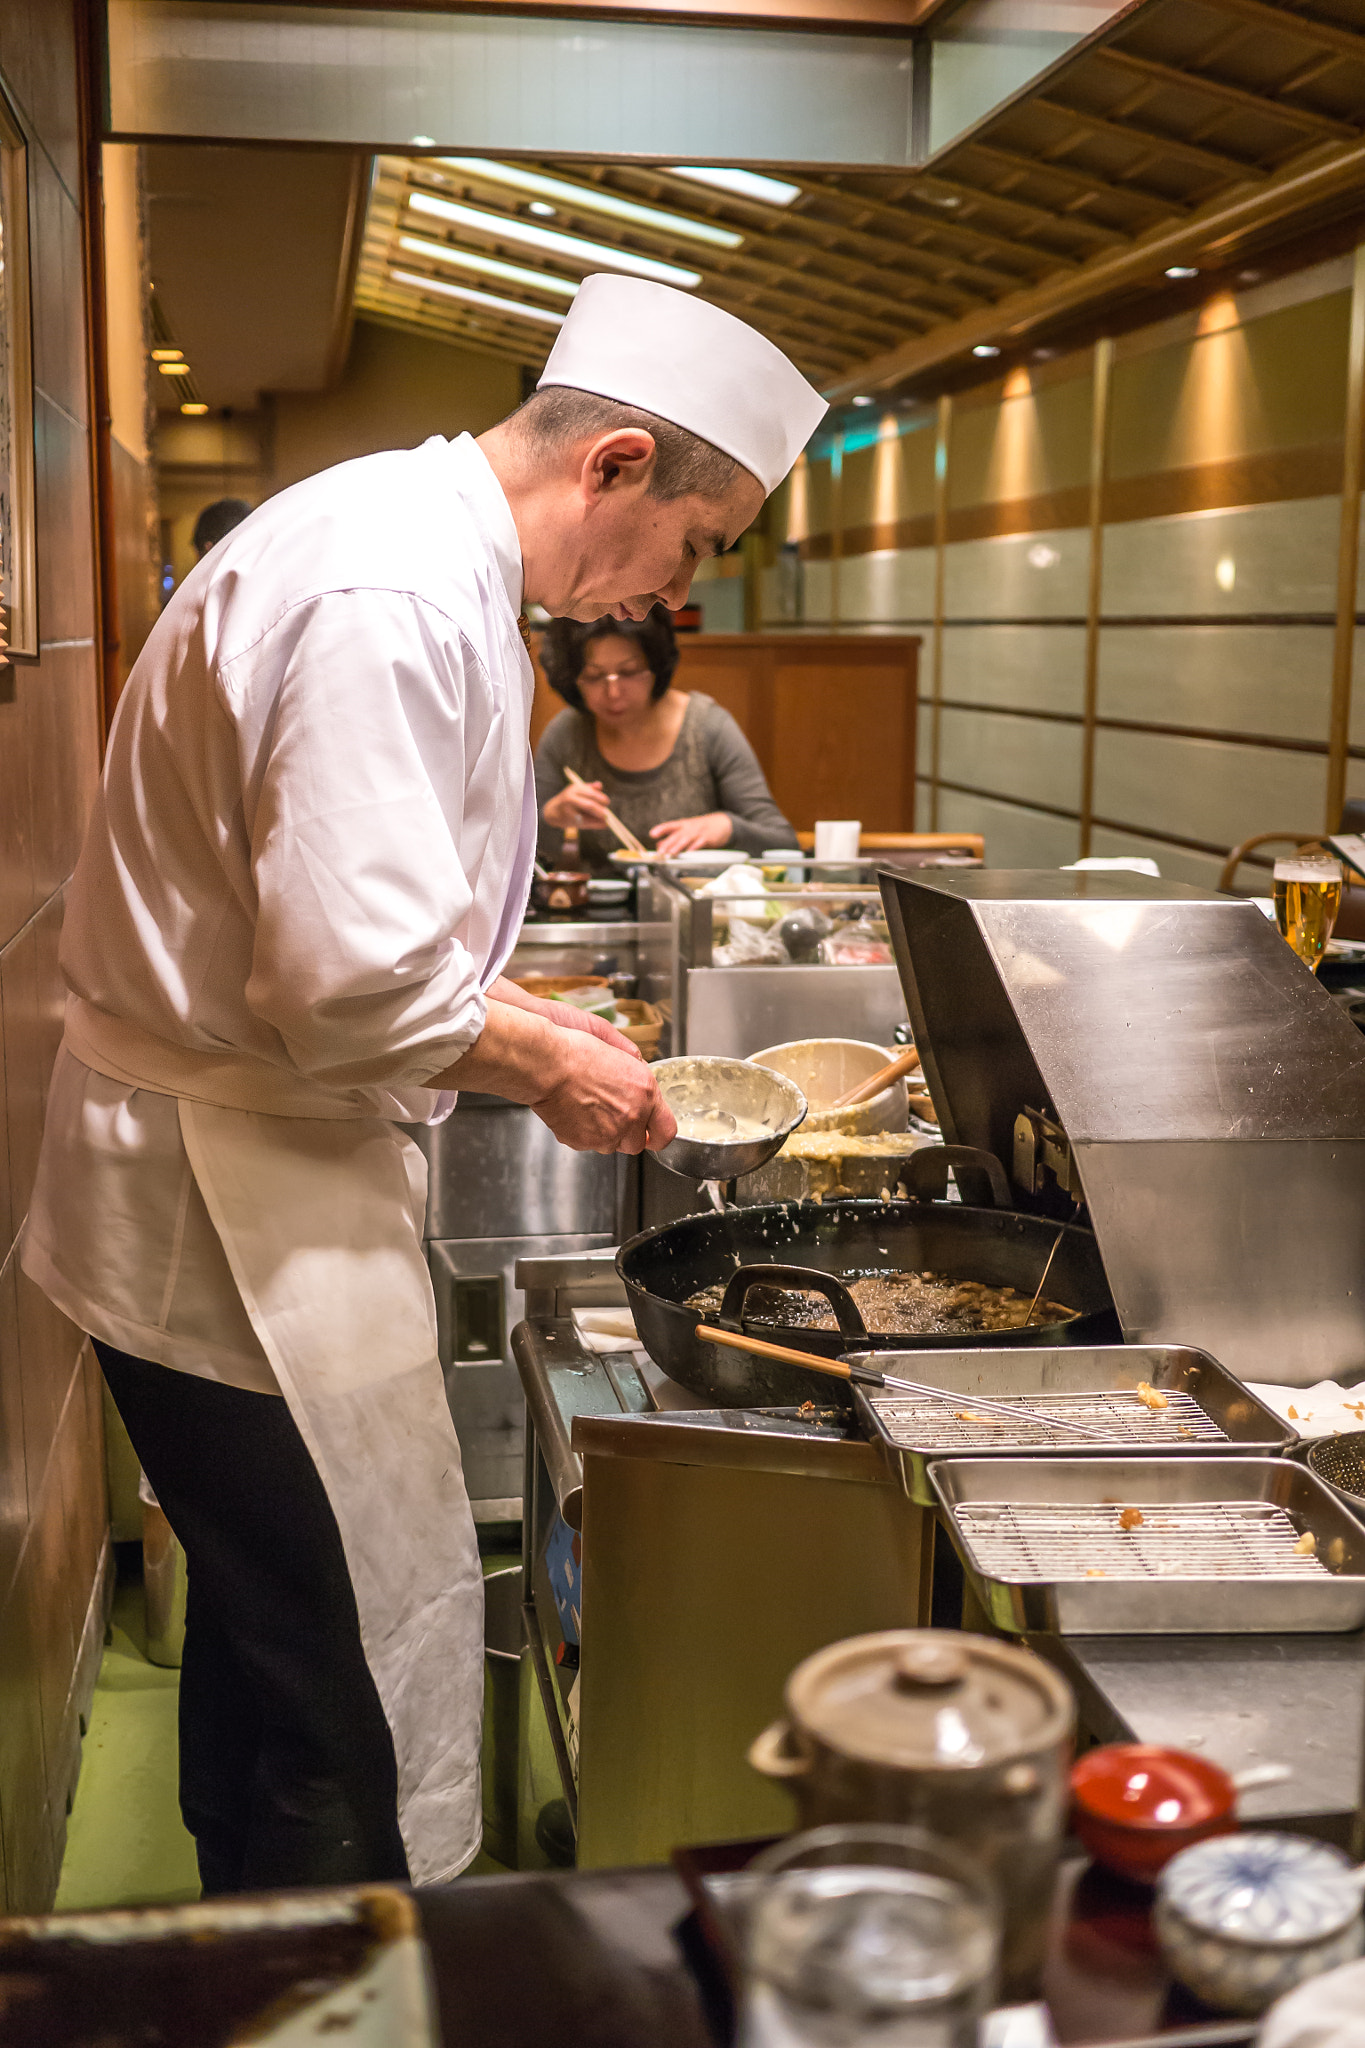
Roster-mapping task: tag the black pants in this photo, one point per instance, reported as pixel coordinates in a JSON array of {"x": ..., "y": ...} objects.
[{"x": 287, "y": 1772}]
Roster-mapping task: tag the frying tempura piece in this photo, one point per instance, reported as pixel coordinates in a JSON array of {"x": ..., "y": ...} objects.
[
  {"x": 1150, "y": 1396},
  {"x": 1132, "y": 1518},
  {"x": 1307, "y": 1545}
]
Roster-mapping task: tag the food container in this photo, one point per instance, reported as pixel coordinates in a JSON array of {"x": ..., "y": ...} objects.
[
  {"x": 563, "y": 889},
  {"x": 732, "y": 1116},
  {"x": 1154, "y": 1546},
  {"x": 642, "y": 1023},
  {"x": 1203, "y": 1409},
  {"x": 548, "y": 986},
  {"x": 826, "y": 1068},
  {"x": 1135, "y": 1805},
  {"x": 968, "y": 1738},
  {"x": 1244, "y": 1918}
]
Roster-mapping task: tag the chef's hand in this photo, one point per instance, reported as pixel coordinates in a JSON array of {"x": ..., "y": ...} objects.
[
  {"x": 686, "y": 835},
  {"x": 580, "y": 806},
  {"x": 564, "y": 1016},
  {"x": 603, "y": 1102}
]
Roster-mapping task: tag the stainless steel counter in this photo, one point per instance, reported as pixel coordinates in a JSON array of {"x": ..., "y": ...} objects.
[{"x": 1239, "y": 1700}]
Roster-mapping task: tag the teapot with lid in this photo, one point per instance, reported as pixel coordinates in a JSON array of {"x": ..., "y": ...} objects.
[{"x": 960, "y": 1734}]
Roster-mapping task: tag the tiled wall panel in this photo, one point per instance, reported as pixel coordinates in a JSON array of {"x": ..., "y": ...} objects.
[
  {"x": 1035, "y": 668},
  {"x": 1017, "y": 576},
  {"x": 1016, "y": 837},
  {"x": 1206, "y": 790},
  {"x": 887, "y": 584},
  {"x": 1033, "y": 759},
  {"x": 52, "y": 1503},
  {"x": 817, "y": 593},
  {"x": 1278, "y": 557},
  {"x": 1249, "y": 679}
]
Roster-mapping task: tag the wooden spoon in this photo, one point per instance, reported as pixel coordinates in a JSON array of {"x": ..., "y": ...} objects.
[{"x": 874, "y": 1084}]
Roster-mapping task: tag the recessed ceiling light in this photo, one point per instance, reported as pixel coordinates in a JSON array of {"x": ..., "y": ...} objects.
[
  {"x": 745, "y": 184},
  {"x": 863, "y": 399},
  {"x": 194, "y": 405},
  {"x": 593, "y": 199},
  {"x": 168, "y": 355},
  {"x": 985, "y": 348},
  {"x": 487, "y": 302},
  {"x": 542, "y": 209},
  {"x": 1181, "y": 270},
  {"x": 510, "y": 273},
  {"x": 574, "y": 247},
  {"x": 177, "y": 369}
]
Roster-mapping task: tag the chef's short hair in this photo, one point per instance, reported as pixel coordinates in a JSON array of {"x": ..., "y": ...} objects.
[
  {"x": 566, "y": 644},
  {"x": 685, "y": 466}
]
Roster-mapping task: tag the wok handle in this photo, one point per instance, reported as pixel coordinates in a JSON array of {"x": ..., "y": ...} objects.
[
  {"x": 806, "y": 1280},
  {"x": 924, "y": 1175},
  {"x": 739, "y": 1340}
]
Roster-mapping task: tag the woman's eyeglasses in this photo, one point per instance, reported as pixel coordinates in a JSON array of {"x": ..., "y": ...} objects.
[{"x": 611, "y": 675}]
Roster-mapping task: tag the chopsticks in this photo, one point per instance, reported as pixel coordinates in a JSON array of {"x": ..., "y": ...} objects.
[
  {"x": 874, "y": 1084},
  {"x": 864, "y": 1375},
  {"x": 623, "y": 832}
]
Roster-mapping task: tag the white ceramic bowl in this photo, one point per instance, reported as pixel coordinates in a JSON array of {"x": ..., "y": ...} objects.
[
  {"x": 1244, "y": 1918},
  {"x": 825, "y": 1068}
]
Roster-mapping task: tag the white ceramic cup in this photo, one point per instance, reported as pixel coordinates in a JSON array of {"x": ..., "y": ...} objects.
[{"x": 837, "y": 838}]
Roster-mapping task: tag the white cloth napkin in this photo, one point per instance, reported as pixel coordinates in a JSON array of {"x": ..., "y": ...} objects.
[{"x": 606, "y": 1329}]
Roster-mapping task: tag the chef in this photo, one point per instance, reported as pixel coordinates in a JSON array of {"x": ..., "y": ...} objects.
[{"x": 304, "y": 874}]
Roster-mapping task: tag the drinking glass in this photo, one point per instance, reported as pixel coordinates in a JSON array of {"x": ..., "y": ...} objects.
[
  {"x": 868, "y": 1934},
  {"x": 1307, "y": 899}
]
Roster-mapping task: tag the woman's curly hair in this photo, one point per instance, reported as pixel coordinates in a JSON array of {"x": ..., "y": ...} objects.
[{"x": 564, "y": 650}]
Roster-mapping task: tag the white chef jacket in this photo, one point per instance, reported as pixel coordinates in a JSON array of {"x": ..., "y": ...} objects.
[{"x": 310, "y": 855}]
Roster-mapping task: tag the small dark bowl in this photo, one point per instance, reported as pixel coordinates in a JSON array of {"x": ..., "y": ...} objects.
[
  {"x": 562, "y": 890},
  {"x": 1137, "y": 1804}
]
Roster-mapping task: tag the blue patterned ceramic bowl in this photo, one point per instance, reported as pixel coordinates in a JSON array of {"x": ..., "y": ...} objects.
[{"x": 1244, "y": 1918}]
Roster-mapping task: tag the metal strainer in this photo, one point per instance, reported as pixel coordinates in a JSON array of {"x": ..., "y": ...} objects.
[{"x": 1340, "y": 1460}]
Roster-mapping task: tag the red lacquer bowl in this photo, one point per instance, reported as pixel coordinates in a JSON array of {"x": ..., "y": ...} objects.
[{"x": 1137, "y": 1804}]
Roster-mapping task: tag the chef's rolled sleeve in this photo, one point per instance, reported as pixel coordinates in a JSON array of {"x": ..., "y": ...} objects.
[{"x": 362, "y": 875}]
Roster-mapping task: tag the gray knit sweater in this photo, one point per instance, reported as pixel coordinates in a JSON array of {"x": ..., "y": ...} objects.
[{"x": 712, "y": 768}]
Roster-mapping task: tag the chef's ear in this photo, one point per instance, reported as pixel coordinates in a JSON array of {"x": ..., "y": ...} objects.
[{"x": 622, "y": 460}]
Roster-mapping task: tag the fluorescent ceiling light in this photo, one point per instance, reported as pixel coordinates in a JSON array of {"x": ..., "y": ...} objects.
[
  {"x": 985, "y": 348},
  {"x": 510, "y": 273},
  {"x": 488, "y": 302},
  {"x": 589, "y": 254},
  {"x": 594, "y": 200},
  {"x": 194, "y": 406},
  {"x": 747, "y": 184},
  {"x": 168, "y": 355},
  {"x": 180, "y": 369}
]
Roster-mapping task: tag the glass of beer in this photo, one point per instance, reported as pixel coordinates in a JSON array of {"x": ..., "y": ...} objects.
[{"x": 1307, "y": 899}]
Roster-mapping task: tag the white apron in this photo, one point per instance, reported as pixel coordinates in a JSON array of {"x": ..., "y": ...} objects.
[{"x": 321, "y": 1222}]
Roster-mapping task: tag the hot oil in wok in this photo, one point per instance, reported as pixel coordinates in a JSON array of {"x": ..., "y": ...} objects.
[{"x": 897, "y": 1305}]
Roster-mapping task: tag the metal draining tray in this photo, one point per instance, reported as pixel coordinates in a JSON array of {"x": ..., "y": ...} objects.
[
  {"x": 1212, "y": 1545},
  {"x": 1207, "y": 1409}
]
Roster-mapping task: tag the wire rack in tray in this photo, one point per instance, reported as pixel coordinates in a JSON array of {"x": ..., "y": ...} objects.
[
  {"x": 936, "y": 1427},
  {"x": 1035, "y": 1542}
]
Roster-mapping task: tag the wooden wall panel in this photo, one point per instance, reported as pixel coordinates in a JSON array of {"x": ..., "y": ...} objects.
[{"x": 52, "y": 1497}]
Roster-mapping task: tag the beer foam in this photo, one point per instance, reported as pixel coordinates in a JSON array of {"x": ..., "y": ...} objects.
[{"x": 1307, "y": 871}]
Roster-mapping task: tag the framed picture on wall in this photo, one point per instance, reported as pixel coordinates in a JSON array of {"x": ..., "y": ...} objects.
[{"x": 18, "y": 544}]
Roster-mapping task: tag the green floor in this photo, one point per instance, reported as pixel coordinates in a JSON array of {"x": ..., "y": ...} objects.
[{"x": 126, "y": 1844}]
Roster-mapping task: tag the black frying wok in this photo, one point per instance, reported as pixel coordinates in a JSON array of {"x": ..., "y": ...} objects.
[{"x": 662, "y": 1267}]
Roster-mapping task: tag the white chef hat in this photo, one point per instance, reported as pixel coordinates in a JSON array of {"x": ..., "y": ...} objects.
[{"x": 686, "y": 361}]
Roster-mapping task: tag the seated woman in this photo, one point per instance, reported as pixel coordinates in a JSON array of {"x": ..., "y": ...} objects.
[{"x": 672, "y": 765}]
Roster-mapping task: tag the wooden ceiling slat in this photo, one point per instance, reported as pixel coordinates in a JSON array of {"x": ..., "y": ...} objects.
[
  {"x": 1153, "y": 141},
  {"x": 1292, "y": 21},
  {"x": 1091, "y": 184},
  {"x": 1233, "y": 95}
]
